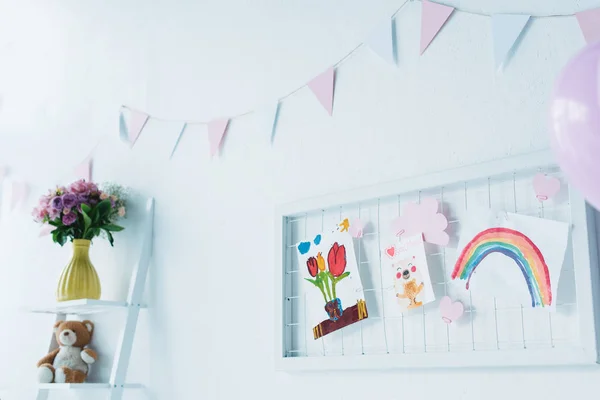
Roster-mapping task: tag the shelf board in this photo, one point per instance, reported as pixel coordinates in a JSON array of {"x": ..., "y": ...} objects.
[
  {"x": 82, "y": 306},
  {"x": 73, "y": 386},
  {"x": 85, "y": 386}
]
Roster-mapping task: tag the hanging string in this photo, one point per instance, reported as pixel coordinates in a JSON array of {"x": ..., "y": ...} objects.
[
  {"x": 345, "y": 58},
  {"x": 280, "y": 99}
]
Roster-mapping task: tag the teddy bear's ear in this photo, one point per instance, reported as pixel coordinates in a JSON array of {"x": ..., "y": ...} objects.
[
  {"x": 56, "y": 325},
  {"x": 89, "y": 325}
]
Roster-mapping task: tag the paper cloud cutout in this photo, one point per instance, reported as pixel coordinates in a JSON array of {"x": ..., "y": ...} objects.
[{"x": 422, "y": 218}]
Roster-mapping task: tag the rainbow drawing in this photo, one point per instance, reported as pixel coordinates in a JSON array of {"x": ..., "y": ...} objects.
[{"x": 515, "y": 245}]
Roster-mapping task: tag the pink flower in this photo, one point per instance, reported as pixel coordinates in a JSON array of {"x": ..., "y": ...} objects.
[
  {"x": 44, "y": 202},
  {"x": 103, "y": 196},
  {"x": 53, "y": 213},
  {"x": 121, "y": 211},
  {"x": 79, "y": 187},
  {"x": 66, "y": 211},
  {"x": 39, "y": 214}
]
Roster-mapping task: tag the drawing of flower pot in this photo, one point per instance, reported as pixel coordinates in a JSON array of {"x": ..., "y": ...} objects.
[{"x": 334, "y": 309}]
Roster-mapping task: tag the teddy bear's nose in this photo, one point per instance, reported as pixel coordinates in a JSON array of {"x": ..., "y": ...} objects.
[{"x": 66, "y": 333}]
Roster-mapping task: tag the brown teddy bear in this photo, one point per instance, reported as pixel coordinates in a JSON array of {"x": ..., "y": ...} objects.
[{"x": 70, "y": 362}]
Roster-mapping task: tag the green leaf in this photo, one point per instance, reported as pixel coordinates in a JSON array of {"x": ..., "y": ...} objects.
[
  {"x": 55, "y": 235},
  {"x": 95, "y": 217},
  {"x": 87, "y": 222},
  {"x": 86, "y": 209},
  {"x": 113, "y": 228},
  {"x": 111, "y": 240},
  {"x": 55, "y": 223},
  {"x": 313, "y": 281},
  {"x": 342, "y": 276},
  {"x": 61, "y": 238},
  {"x": 103, "y": 207}
]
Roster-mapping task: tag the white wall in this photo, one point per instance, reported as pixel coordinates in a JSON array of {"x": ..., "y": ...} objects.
[{"x": 68, "y": 65}]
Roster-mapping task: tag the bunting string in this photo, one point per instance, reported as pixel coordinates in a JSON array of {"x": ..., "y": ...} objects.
[
  {"x": 282, "y": 98},
  {"x": 507, "y": 28}
]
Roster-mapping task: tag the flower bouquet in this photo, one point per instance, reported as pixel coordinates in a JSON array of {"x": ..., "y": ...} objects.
[{"x": 80, "y": 212}]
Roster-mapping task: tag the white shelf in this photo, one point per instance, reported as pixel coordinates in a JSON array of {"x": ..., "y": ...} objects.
[
  {"x": 71, "y": 386},
  {"x": 81, "y": 307},
  {"x": 84, "y": 386}
]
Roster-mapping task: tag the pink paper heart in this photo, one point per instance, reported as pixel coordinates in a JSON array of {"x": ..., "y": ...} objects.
[
  {"x": 545, "y": 186},
  {"x": 450, "y": 311},
  {"x": 390, "y": 251}
]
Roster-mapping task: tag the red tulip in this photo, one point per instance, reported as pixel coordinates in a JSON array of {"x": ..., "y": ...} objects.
[
  {"x": 337, "y": 259},
  {"x": 311, "y": 263}
]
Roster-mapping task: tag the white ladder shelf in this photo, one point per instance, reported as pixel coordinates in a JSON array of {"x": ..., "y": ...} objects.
[{"x": 116, "y": 383}]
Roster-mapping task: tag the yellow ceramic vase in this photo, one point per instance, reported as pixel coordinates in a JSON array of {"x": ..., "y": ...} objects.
[{"x": 79, "y": 279}]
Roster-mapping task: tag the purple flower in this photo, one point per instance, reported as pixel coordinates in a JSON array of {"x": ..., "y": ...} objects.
[
  {"x": 57, "y": 203},
  {"x": 69, "y": 218},
  {"x": 83, "y": 198},
  {"x": 69, "y": 200},
  {"x": 92, "y": 187}
]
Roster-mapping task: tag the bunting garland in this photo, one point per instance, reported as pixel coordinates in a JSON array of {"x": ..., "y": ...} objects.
[
  {"x": 131, "y": 127},
  {"x": 18, "y": 193},
  {"x": 507, "y": 30},
  {"x": 433, "y": 18},
  {"x": 84, "y": 170},
  {"x": 322, "y": 86},
  {"x": 275, "y": 120},
  {"x": 216, "y": 131},
  {"x": 589, "y": 22},
  {"x": 382, "y": 42},
  {"x": 178, "y": 139}
]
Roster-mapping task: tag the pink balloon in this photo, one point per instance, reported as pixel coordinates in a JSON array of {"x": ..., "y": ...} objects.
[{"x": 575, "y": 122}]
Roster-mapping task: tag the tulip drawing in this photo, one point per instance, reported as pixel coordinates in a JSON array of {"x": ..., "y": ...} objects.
[
  {"x": 327, "y": 274},
  {"x": 337, "y": 259},
  {"x": 337, "y": 265},
  {"x": 320, "y": 262},
  {"x": 311, "y": 263}
]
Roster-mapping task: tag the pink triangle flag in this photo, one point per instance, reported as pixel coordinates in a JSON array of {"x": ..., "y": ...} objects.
[
  {"x": 46, "y": 230},
  {"x": 589, "y": 22},
  {"x": 19, "y": 193},
  {"x": 137, "y": 121},
  {"x": 84, "y": 170},
  {"x": 433, "y": 18},
  {"x": 216, "y": 131},
  {"x": 323, "y": 86}
]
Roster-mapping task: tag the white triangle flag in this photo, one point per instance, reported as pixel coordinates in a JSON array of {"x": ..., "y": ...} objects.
[
  {"x": 275, "y": 119},
  {"x": 132, "y": 124},
  {"x": 178, "y": 139},
  {"x": 382, "y": 42},
  {"x": 506, "y": 31}
]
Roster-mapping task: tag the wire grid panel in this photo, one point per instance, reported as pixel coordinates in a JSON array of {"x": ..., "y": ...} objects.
[{"x": 489, "y": 326}]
